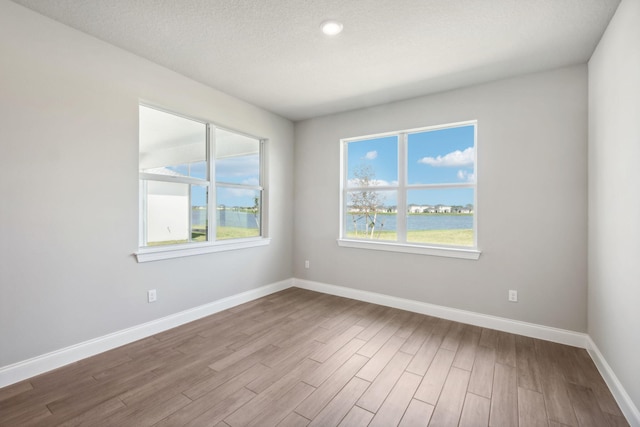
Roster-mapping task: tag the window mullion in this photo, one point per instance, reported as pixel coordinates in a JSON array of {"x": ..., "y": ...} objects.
[
  {"x": 475, "y": 185},
  {"x": 172, "y": 179},
  {"x": 190, "y": 214},
  {"x": 239, "y": 186},
  {"x": 261, "y": 178},
  {"x": 439, "y": 186},
  {"x": 344, "y": 161},
  {"x": 401, "y": 215},
  {"x": 211, "y": 194},
  {"x": 143, "y": 209}
]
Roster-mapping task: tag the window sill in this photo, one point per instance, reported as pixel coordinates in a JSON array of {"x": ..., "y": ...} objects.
[
  {"x": 167, "y": 252},
  {"x": 449, "y": 252}
]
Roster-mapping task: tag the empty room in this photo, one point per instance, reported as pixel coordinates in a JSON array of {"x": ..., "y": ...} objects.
[{"x": 332, "y": 213}]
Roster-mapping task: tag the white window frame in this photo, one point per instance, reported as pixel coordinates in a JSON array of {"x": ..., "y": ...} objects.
[
  {"x": 155, "y": 253},
  {"x": 401, "y": 245}
]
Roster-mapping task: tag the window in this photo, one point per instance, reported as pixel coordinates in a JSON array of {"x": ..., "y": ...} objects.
[
  {"x": 411, "y": 191},
  {"x": 200, "y": 185}
]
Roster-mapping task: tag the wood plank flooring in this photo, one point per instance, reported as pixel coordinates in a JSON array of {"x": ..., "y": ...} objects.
[{"x": 300, "y": 358}]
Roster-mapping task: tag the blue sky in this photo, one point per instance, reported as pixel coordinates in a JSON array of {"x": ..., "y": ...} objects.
[
  {"x": 231, "y": 170},
  {"x": 433, "y": 157},
  {"x": 238, "y": 170}
]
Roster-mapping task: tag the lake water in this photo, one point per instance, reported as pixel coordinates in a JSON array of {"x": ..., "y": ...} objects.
[
  {"x": 418, "y": 222},
  {"x": 226, "y": 218},
  {"x": 231, "y": 218}
]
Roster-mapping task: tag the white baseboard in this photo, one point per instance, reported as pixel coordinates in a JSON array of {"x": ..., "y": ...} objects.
[
  {"x": 628, "y": 408},
  {"x": 28, "y": 368},
  {"x": 532, "y": 330}
]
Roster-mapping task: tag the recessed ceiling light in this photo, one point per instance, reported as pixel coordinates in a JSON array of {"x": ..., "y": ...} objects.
[{"x": 331, "y": 28}]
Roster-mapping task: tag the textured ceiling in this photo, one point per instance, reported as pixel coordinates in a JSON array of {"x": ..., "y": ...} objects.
[{"x": 272, "y": 53}]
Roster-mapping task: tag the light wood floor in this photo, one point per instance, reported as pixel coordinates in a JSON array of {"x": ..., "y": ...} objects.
[{"x": 300, "y": 358}]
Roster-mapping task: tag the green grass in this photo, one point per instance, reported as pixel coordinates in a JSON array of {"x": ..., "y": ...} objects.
[
  {"x": 200, "y": 235},
  {"x": 196, "y": 236},
  {"x": 463, "y": 237},
  {"x": 424, "y": 214},
  {"x": 236, "y": 232}
]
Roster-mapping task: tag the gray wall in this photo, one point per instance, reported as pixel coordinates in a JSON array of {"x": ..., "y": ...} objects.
[
  {"x": 614, "y": 196},
  {"x": 69, "y": 188},
  {"x": 532, "y": 199}
]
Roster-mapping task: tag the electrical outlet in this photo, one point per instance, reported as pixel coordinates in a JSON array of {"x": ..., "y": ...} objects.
[
  {"x": 152, "y": 296},
  {"x": 306, "y": 264},
  {"x": 513, "y": 295}
]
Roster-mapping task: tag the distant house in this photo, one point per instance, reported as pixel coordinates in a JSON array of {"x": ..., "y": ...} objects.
[{"x": 429, "y": 209}]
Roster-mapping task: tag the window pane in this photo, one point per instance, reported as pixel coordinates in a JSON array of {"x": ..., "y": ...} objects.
[
  {"x": 441, "y": 156},
  {"x": 167, "y": 219},
  {"x": 198, "y": 170},
  {"x": 172, "y": 145},
  {"x": 372, "y": 162},
  {"x": 238, "y": 213},
  {"x": 237, "y": 158},
  {"x": 371, "y": 215},
  {"x": 199, "y": 213},
  {"x": 442, "y": 216}
]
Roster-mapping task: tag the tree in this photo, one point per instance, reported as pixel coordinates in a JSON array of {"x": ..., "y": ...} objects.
[
  {"x": 255, "y": 210},
  {"x": 365, "y": 202}
]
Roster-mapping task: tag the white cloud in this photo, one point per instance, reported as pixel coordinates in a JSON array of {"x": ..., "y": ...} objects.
[
  {"x": 374, "y": 183},
  {"x": 454, "y": 159},
  {"x": 466, "y": 176},
  {"x": 371, "y": 155}
]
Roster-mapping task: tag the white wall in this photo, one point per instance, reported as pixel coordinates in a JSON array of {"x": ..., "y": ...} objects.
[
  {"x": 532, "y": 200},
  {"x": 69, "y": 190},
  {"x": 614, "y": 196}
]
